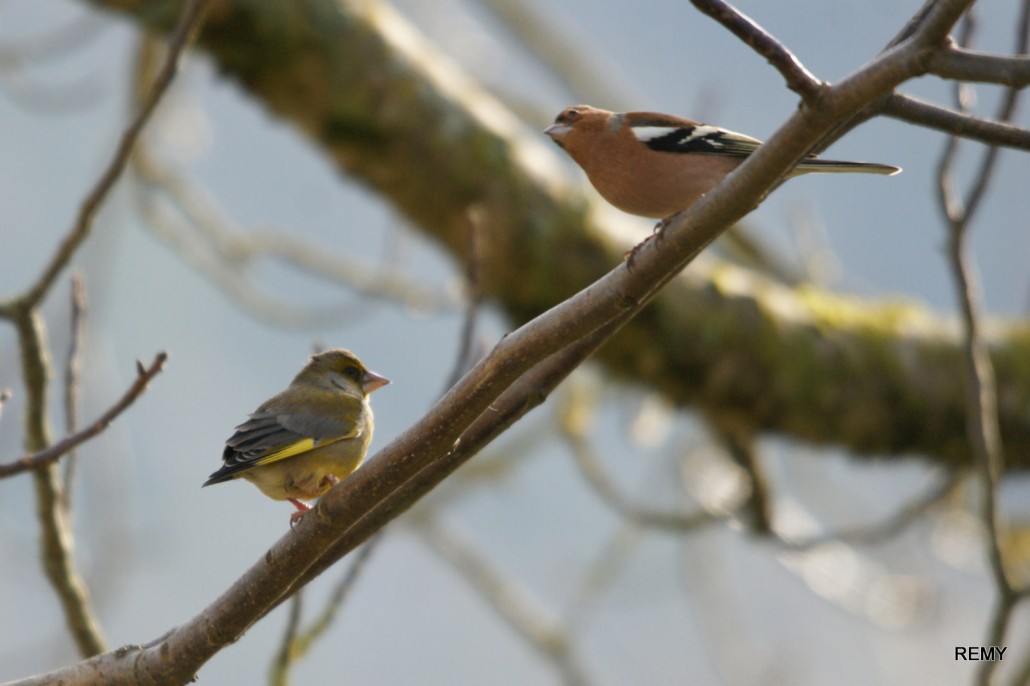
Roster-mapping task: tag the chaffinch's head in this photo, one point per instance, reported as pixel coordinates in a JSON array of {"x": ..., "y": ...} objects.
[{"x": 575, "y": 121}]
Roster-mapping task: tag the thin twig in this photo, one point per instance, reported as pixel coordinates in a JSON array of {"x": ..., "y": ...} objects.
[
  {"x": 982, "y": 395},
  {"x": 550, "y": 42},
  {"x": 913, "y": 24},
  {"x": 56, "y": 541},
  {"x": 798, "y": 78},
  {"x": 279, "y": 673},
  {"x": 53, "y": 453},
  {"x": 883, "y": 531},
  {"x": 189, "y": 24},
  {"x": 340, "y": 593},
  {"x": 739, "y": 440},
  {"x": 602, "y": 573},
  {"x": 298, "y": 642},
  {"x": 971, "y": 66},
  {"x": 181, "y": 213},
  {"x": 929, "y": 26},
  {"x": 72, "y": 370},
  {"x": 473, "y": 298},
  {"x": 573, "y": 426},
  {"x": 537, "y": 624},
  {"x": 913, "y": 110}
]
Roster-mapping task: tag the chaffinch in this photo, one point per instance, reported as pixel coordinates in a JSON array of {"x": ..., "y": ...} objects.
[{"x": 654, "y": 165}]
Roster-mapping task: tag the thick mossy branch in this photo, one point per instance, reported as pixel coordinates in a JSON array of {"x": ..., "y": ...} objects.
[
  {"x": 872, "y": 377},
  {"x": 878, "y": 377}
]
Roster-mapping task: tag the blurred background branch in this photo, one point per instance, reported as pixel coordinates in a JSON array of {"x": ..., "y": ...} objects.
[
  {"x": 24, "y": 312},
  {"x": 981, "y": 385}
]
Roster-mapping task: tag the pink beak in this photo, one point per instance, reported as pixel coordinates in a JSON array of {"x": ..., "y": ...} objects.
[
  {"x": 370, "y": 381},
  {"x": 557, "y": 130}
]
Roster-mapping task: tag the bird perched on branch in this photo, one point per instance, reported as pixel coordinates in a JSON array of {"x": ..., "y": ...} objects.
[
  {"x": 300, "y": 443},
  {"x": 654, "y": 165}
]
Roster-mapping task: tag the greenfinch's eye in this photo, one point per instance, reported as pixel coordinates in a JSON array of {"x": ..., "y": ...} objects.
[{"x": 352, "y": 372}]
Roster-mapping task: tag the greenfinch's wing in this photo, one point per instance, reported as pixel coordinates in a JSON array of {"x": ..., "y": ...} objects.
[{"x": 275, "y": 433}]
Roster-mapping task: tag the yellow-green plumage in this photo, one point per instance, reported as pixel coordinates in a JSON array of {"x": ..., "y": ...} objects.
[{"x": 298, "y": 443}]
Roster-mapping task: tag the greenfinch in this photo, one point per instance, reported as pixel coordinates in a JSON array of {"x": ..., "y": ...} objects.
[{"x": 300, "y": 443}]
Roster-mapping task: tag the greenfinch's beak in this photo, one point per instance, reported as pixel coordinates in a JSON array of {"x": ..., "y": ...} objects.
[{"x": 371, "y": 381}]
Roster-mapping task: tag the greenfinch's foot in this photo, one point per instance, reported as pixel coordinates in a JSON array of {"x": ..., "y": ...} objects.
[
  {"x": 302, "y": 509},
  {"x": 330, "y": 479}
]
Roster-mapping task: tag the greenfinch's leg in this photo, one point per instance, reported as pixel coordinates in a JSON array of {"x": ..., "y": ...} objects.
[{"x": 302, "y": 509}]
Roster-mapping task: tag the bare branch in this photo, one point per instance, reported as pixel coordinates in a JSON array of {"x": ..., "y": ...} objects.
[
  {"x": 982, "y": 420},
  {"x": 283, "y": 659},
  {"x": 574, "y": 423},
  {"x": 913, "y": 23},
  {"x": 885, "y": 530},
  {"x": 549, "y": 41},
  {"x": 738, "y": 439},
  {"x": 23, "y": 311},
  {"x": 931, "y": 27},
  {"x": 798, "y": 78},
  {"x": 204, "y": 237},
  {"x": 52, "y": 454},
  {"x": 296, "y": 641},
  {"x": 55, "y": 534},
  {"x": 188, "y": 26},
  {"x": 603, "y": 572},
  {"x": 72, "y": 369},
  {"x": 922, "y": 113},
  {"x": 473, "y": 296},
  {"x": 542, "y": 630},
  {"x": 969, "y": 65}
]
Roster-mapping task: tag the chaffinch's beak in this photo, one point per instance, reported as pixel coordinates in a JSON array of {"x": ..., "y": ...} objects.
[{"x": 557, "y": 131}]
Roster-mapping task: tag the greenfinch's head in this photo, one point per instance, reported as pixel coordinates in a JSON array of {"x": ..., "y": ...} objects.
[{"x": 338, "y": 369}]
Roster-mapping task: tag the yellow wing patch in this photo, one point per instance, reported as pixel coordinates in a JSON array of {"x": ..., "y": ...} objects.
[{"x": 294, "y": 449}]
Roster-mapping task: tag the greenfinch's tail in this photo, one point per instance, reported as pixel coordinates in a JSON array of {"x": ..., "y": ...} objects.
[{"x": 226, "y": 473}]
